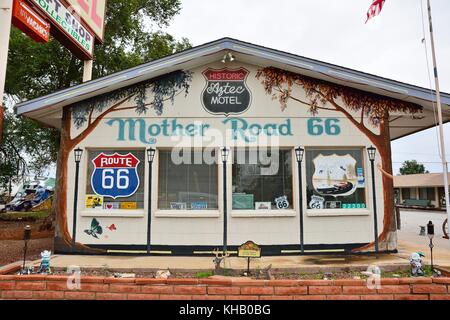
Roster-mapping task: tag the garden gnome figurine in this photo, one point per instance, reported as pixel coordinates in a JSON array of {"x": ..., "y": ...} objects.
[
  {"x": 45, "y": 262},
  {"x": 416, "y": 263}
]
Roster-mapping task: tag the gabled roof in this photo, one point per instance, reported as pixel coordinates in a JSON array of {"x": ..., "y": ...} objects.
[
  {"x": 420, "y": 180},
  {"x": 47, "y": 109}
]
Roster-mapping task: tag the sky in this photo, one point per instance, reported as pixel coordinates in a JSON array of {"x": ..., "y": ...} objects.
[{"x": 389, "y": 45}]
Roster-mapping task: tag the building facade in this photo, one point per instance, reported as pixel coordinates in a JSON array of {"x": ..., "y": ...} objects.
[{"x": 197, "y": 152}]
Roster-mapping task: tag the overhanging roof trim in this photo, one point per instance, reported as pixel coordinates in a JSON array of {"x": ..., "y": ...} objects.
[{"x": 147, "y": 71}]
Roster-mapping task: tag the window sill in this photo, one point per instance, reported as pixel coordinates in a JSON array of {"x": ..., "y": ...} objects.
[
  {"x": 263, "y": 213},
  {"x": 114, "y": 213},
  {"x": 337, "y": 212},
  {"x": 187, "y": 213}
]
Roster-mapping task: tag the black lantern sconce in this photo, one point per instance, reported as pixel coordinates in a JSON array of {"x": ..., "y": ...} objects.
[
  {"x": 371, "y": 151},
  {"x": 430, "y": 233},
  {"x": 150, "y": 156},
  {"x": 225, "y": 153},
  {"x": 78, "y": 152},
  {"x": 299, "y": 152}
]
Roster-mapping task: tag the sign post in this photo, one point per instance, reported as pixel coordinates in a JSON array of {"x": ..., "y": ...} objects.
[{"x": 249, "y": 250}]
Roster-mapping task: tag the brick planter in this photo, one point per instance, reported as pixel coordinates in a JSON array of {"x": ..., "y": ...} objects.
[{"x": 101, "y": 288}]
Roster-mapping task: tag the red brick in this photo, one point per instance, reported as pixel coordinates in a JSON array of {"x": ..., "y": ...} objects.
[
  {"x": 394, "y": 289},
  {"x": 94, "y": 279},
  {"x": 310, "y": 297},
  {"x": 325, "y": 290},
  {"x": 7, "y": 277},
  {"x": 411, "y": 297},
  {"x": 111, "y": 296},
  {"x": 414, "y": 280},
  {"x": 175, "y": 297},
  {"x": 124, "y": 288},
  {"x": 207, "y": 297},
  {"x": 7, "y": 285},
  {"x": 238, "y": 297},
  {"x": 57, "y": 286},
  {"x": 389, "y": 281},
  {"x": 30, "y": 285},
  {"x": 282, "y": 283},
  {"x": 378, "y": 297},
  {"x": 248, "y": 282},
  {"x": 17, "y": 294},
  {"x": 150, "y": 281},
  {"x": 429, "y": 288},
  {"x": 94, "y": 287},
  {"x": 256, "y": 290},
  {"x": 30, "y": 277},
  {"x": 189, "y": 290},
  {"x": 435, "y": 280},
  {"x": 291, "y": 290},
  {"x": 157, "y": 289},
  {"x": 439, "y": 296},
  {"x": 343, "y": 297},
  {"x": 314, "y": 282},
  {"x": 57, "y": 278},
  {"x": 119, "y": 280},
  {"x": 349, "y": 282},
  {"x": 276, "y": 297},
  {"x": 48, "y": 295},
  {"x": 77, "y": 295},
  {"x": 182, "y": 281},
  {"x": 357, "y": 290},
  {"x": 134, "y": 296},
  {"x": 224, "y": 290},
  {"x": 216, "y": 282}
]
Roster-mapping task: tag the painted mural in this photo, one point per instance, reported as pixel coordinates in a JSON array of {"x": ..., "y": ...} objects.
[{"x": 325, "y": 96}]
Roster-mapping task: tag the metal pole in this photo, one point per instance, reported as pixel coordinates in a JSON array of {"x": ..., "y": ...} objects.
[
  {"x": 374, "y": 194},
  {"x": 439, "y": 107},
  {"x": 431, "y": 252},
  {"x": 300, "y": 204},
  {"x": 225, "y": 226},
  {"x": 149, "y": 213},
  {"x": 75, "y": 203}
]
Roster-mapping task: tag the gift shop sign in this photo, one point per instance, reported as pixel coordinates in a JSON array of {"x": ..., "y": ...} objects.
[
  {"x": 72, "y": 32},
  {"x": 115, "y": 175},
  {"x": 226, "y": 91},
  {"x": 30, "y": 22}
]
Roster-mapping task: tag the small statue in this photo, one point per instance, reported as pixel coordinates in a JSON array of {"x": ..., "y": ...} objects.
[
  {"x": 45, "y": 262},
  {"x": 416, "y": 263}
]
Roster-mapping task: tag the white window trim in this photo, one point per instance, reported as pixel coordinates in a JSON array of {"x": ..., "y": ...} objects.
[
  {"x": 263, "y": 213},
  {"x": 160, "y": 213},
  {"x": 337, "y": 212},
  {"x": 122, "y": 213}
]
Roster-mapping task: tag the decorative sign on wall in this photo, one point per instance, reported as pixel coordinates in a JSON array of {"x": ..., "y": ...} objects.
[
  {"x": 226, "y": 91},
  {"x": 115, "y": 175}
]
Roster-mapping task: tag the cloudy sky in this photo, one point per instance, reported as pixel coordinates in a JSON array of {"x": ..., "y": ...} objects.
[{"x": 334, "y": 31}]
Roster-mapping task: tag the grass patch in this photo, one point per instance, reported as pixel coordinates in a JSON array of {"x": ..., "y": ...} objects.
[
  {"x": 204, "y": 274},
  {"x": 24, "y": 216}
]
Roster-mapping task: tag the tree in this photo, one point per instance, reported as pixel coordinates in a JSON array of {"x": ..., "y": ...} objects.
[
  {"x": 38, "y": 69},
  {"x": 412, "y": 167},
  {"x": 356, "y": 106}
]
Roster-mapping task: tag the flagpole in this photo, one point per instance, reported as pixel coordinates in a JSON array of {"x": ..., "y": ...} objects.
[{"x": 439, "y": 107}]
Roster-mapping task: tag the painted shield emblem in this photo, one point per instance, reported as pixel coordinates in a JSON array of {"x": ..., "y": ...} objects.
[
  {"x": 115, "y": 175},
  {"x": 226, "y": 91},
  {"x": 335, "y": 175}
]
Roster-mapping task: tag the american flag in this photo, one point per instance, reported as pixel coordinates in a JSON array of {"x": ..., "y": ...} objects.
[{"x": 375, "y": 9}]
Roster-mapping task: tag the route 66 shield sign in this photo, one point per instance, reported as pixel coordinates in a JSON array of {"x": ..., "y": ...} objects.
[
  {"x": 115, "y": 175},
  {"x": 226, "y": 91}
]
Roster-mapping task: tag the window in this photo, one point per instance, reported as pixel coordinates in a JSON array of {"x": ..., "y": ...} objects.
[
  {"x": 335, "y": 179},
  {"x": 115, "y": 179},
  {"x": 187, "y": 180},
  {"x": 262, "y": 180},
  {"x": 406, "y": 194},
  {"x": 426, "y": 194}
]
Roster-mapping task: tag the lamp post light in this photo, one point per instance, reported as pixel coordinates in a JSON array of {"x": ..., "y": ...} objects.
[
  {"x": 299, "y": 152},
  {"x": 430, "y": 232},
  {"x": 78, "y": 153},
  {"x": 225, "y": 152},
  {"x": 150, "y": 156},
  {"x": 26, "y": 237},
  {"x": 371, "y": 151}
]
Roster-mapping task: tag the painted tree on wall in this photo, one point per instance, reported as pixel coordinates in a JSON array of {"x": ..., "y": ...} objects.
[
  {"x": 88, "y": 114},
  {"x": 356, "y": 106}
]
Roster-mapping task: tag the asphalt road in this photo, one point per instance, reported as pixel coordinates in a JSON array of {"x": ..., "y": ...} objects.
[{"x": 410, "y": 241}]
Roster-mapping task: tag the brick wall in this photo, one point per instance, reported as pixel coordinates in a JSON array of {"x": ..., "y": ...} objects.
[{"x": 101, "y": 288}]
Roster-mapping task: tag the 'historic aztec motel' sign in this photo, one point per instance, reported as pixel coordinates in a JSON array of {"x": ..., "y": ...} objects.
[{"x": 225, "y": 143}]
